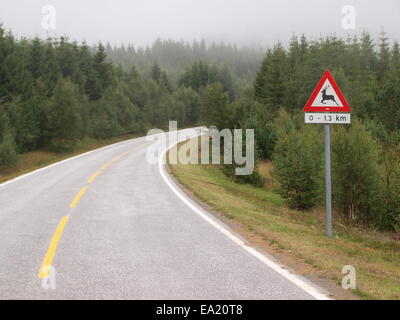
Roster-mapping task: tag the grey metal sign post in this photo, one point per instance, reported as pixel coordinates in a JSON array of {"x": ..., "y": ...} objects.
[{"x": 328, "y": 198}]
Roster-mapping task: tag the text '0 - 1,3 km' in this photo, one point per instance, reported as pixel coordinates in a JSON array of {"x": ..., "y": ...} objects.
[{"x": 327, "y": 118}]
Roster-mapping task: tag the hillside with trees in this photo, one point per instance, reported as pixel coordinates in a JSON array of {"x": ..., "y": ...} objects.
[{"x": 54, "y": 93}]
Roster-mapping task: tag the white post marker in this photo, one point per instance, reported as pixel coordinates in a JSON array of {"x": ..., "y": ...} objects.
[{"x": 326, "y": 100}]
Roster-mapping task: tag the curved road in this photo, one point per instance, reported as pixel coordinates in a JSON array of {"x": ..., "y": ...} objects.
[{"x": 114, "y": 226}]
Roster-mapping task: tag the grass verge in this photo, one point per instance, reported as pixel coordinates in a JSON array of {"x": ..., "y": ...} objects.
[{"x": 298, "y": 238}]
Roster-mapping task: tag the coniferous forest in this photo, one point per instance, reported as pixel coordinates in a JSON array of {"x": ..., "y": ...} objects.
[{"x": 54, "y": 93}]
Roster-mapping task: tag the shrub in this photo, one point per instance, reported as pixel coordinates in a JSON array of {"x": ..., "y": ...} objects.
[
  {"x": 8, "y": 147},
  {"x": 298, "y": 166},
  {"x": 229, "y": 170},
  {"x": 389, "y": 212},
  {"x": 264, "y": 135},
  {"x": 254, "y": 178},
  {"x": 8, "y": 151},
  {"x": 356, "y": 174}
]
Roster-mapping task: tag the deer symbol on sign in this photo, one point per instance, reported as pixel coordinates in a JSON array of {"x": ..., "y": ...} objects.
[{"x": 327, "y": 96}]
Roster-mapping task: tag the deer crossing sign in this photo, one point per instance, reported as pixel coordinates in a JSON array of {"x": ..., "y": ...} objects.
[{"x": 327, "y": 97}]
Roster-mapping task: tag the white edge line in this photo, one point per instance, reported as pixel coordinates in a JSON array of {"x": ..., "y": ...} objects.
[
  {"x": 63, "y": 161},
  {"x": 273, "y": 265}
]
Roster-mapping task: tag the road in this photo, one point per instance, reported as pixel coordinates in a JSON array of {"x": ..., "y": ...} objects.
[{"x": 115, "y": 226}]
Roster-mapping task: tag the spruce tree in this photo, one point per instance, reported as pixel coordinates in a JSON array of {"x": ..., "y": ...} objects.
[
  {"x": 384, "y": 55},
  {"x": 64, "y": 116},
  {"x": 8, "y": 148},
  {"x": 156, "y": 72}
]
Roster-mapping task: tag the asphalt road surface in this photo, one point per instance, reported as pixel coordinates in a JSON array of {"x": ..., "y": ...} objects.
[{"x": 114, "y": 226}]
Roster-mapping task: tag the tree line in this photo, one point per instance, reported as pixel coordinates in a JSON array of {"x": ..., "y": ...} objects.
[
  {"x": 176, "y": 56},
  {"x": 54, "y": 93}
]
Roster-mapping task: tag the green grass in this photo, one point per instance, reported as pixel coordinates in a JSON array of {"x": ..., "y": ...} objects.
[{"x": 264, "y": 215}]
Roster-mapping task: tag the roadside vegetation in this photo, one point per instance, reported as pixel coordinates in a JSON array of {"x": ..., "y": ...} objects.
[
  {"x": 365, "y": 154},
  {"x": 264, "y": 218},
  {"x": 288, "y": 213}
]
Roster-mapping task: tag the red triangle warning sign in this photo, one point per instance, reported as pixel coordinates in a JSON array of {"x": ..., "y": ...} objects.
[{"x": 327, "y": 96}]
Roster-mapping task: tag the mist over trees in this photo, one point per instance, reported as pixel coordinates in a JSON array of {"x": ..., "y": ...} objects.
[{"x": 176, "y": 56}]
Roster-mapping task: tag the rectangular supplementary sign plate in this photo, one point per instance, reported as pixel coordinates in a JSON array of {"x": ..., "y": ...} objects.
[{"x": 337, "y": 118}]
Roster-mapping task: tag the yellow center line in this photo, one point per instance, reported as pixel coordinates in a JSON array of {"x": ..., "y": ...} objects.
[
  {"x": 106, "y": 165},
  {"x": 121, "y": 155},
  {"x": 137, "y": 147},
  {"x": 116, "y": 158},
  {"x": 76, "y": 199},
  {"x": 51, "y": 251},
  {"x": 94, "y": 176}
]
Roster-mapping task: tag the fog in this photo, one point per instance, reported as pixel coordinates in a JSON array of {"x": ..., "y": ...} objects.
[{"x": 244, "y": 22}]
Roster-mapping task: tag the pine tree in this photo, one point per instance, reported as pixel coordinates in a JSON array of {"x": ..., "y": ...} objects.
[
  {"x": 4, "y": 69},
  {"x": 66, "y": 57},
  {"x": 259, "y": 84},
  {"x": 8, "y": 148},
  {"x": 215, "y": 105},
  {"x": 388, "y": 100},
  {"x": 368, "y": 57},
  {"x": 50, "y": 67},
  {"x": 65, "y": 116},
  {"x": 164, "y": 82},
  {"x": 24, "y": 118},
  {"x": 394, "y": 66},
  {"x": 191, "y": 102},
  {"x": 156, "y": 72},
  {"x": 269, "y": 86},
  {"x": 36, "y": 58},
  {"x": 384, "y": 55},
  {"x": 127, "y": 114},
  {"x": 102, "y": 68}
]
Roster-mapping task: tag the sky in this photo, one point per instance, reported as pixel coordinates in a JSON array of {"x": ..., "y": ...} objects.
[{"x": 244, "y": 22}]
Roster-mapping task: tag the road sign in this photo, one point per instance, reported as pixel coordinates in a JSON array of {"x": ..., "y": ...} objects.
[
  {"x": 327, "y": 118},
  {"x": 327, "y": 96}
]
